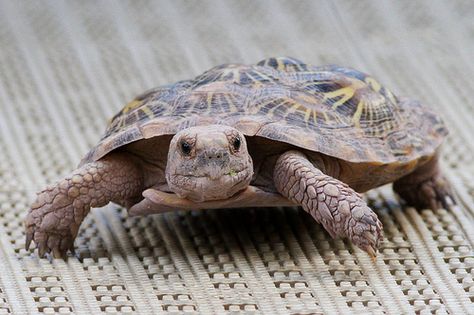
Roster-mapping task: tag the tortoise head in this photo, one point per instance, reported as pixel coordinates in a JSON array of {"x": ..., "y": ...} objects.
[{"x": 208, "y": 163}]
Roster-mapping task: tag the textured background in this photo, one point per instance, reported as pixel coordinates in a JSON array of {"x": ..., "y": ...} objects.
[{"x": 66, "y": 67}]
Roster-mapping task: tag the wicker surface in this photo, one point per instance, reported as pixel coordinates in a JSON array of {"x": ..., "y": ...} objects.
[{"x": 66, "y": 67}]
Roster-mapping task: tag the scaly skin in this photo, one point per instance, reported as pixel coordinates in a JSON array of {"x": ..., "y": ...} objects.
[
  {"x": 54, "y": 218},
  {"x": 335, "y": 205},
  {"x": 426, "y": 187}
]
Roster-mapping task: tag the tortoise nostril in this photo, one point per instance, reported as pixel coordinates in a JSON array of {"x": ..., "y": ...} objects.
[{"x": 216, "y": 155}]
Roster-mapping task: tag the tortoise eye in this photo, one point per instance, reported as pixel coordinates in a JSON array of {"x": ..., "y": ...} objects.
[
  {"x": 186, "y": 147},
  {"x": 236, "y": 142}
]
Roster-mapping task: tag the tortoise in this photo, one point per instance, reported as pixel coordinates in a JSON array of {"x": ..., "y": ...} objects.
[{"x": 277, "y": 133}]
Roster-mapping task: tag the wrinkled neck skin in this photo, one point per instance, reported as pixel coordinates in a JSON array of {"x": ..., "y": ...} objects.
[{"x": 208, "y": 163}]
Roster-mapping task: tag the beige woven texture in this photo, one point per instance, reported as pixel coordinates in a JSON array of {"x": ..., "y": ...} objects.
[{"x": 66, "y": 67}]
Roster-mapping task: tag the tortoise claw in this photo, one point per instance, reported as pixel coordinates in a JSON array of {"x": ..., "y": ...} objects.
[
  {"x": 370, "y": 237},
  {"x": 57, "y": 253},
  {"x": 56, "y": 244},
  {"x": 42, "y": 249},
  {"x": 372, "y": 252},
  {"x": 29, "y": 238}
]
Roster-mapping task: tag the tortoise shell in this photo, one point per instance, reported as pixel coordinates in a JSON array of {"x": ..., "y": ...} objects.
[{"x": 333, "y": 110}]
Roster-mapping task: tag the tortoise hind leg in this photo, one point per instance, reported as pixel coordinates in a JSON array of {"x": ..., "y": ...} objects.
[{"x": 426, "y": 187}]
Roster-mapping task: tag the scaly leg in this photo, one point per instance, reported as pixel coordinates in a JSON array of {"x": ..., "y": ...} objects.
[
  {"x": 54, "y": 218},
  {"x": 335, "y": 205},
  {"x": 426, "y": 187}
]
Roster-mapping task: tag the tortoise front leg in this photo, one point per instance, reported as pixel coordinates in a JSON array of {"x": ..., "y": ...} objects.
[
  {"x": 335, "y": 205},
  {"x": 54, "y": 218}
]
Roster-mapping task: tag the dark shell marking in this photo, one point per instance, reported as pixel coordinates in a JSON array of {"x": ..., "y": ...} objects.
[{"x": 334, "y": 110}]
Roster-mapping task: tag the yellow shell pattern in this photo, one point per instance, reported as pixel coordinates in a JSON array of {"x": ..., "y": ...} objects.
[{"x": 330, "y": 109}]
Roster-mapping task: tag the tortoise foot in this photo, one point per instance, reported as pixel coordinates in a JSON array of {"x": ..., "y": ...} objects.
[
  {"x": 433, "y": 193},
  {"x": 363, "y": 227},
  {"x": 51, "y": 222}
]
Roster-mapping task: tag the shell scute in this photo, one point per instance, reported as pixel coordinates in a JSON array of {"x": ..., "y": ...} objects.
[{"x": 334, "y": 110}]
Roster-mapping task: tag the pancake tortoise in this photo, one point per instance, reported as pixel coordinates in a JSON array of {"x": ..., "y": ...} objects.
[{"x": 278, "y": 133}]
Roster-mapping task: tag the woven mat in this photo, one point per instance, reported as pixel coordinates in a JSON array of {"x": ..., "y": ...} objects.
[{"x": 66, "y": 67}]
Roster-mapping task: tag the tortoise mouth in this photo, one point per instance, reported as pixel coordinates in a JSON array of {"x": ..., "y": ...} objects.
[
  {"x": 212, "y": 177},
  {"x": 205, "y": 201},
  {"x": 199, "y": 188}
]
